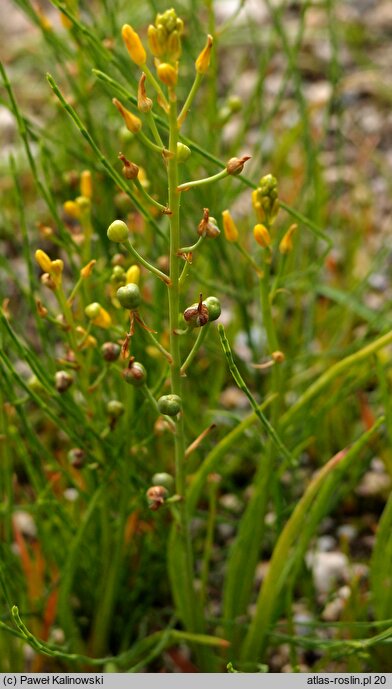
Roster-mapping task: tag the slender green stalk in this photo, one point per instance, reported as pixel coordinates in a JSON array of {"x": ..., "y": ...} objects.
[
  {"x": 189, "y": 99},
  {"x": 197, "y": 344},
  {"x": 193, "y": 247},
  {"x": 242, "y": 386},
  {"x": 201, "y": 182},
  {"x": 176, "y": 380},
  {"x": 162, "y": 276}
]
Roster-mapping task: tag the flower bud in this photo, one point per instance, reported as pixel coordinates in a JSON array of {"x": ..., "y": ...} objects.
[
  {"x": 229, "y": 227},
  {"x": 170, "y": 405},
  {"x": 56, "y": 271},
  {"x": 132, "y": 123},
  {"x": 167, "y": 74},
  {"x": 72, "y": 209},
  {"x": 133, "y": 275},
  {"x": 163, "y": 479},
  {"x": 86, "y": 185},
  {"x": 43, "y": 260},
  {"x": 134, "y": 45},
  {"x": 87, "y": 269},
  {"x": 286, "y": 244},
  {"x": 156, "y": 496},
  {"x": 129, "y": 296},
  {"x": 110, "y": 351},
  {"x": 130, "y": 170},
  {"x": 261, "y": 235},
  {"x": 62, "y": 381},
  {"x": 144, "y": 103},
  {"x": 76, "y": 457},
  {"x": 115, "y": 409},
  {"x": 203, "y": 61},
  {"x": 135, "y": 374},
  {"x": 236, "y": 165},
  {"x": 35, "y": 385},
  {"x": 214, "y": 308},
  {"x": 117, "y": 231}
]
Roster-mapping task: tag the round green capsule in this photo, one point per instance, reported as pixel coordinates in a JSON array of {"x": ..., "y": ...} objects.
[
  {"x": 115, "y": 409},
  {"x": 170, "y": 405},
  {"x": 118, "y": 231},
  {"x": 92, "y": 310},
  {"x": 129, "y": 296},
  {"x": 214, "y": 308},
  {"x": 163, "y": 479}
]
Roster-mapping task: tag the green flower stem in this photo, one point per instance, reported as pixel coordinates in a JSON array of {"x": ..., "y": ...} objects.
[
  {"x": 199, "y": 182},
  {"x": 158, "y": 345},
  {"x": 150, "y": 144},
  {"x": 182, "y": 535},
  {"x": 183, "y": 276},
  {"x": 189, "y": 249},
  {"x": 242, "y": 386},
  {"x": 189, "y": 100},
  {"x": 149, "y": 198},
  {"x": 248, "y": 257},
  {"x": 111, "y": 171},
  {"x": 155, "y": 84},
  {"x": 154, "y": 130},
  {"x": 146, "y": 264},
  {"x": 198, "y": 343}
]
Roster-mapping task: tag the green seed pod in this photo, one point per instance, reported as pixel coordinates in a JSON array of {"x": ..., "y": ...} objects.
[
  {"x": 115, "y": 409},
  {"x": 214, "y": 308},
  {"x": 118, "y": 231},
  {"x": 35, "y": 385},
  {"x": 118, "y": 275},
  {"x": 129, "y": 296},
  {"x": 110, "y": 351},
  {"x": 135, "y": 374},
  {"x": 92, "y": 310},
  {"x": 76, "y": 457},
  {"x": 163, "y": 479},
  {"x": 170, "y": 405},
  {"x": 183, "y": 152}
]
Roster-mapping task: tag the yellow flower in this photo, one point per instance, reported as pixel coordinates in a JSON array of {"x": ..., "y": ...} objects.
[
  {"x": 261, "y": 235},
  {"x": 56, "y": 271},
  {"x": 132, "y": 123},
  {"x": 286, "y": 244},
  {"x": 72, "y": 209},
  {"x": 203, "y": 61},
  {"x": 168, "y": 74},
  {"x": 103, "y": 320},
  {"x": 87, "y": 269},
  {"x": 133, "y": 275},
  {"x": 229, "y": 227},
  {"x": 86, "y": 186},
  {"x": 43, "y": 260},
  {"x": 134, "y": 45}
]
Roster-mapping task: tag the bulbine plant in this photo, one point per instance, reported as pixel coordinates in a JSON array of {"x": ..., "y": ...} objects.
[{"x": 127, "y": 338}]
